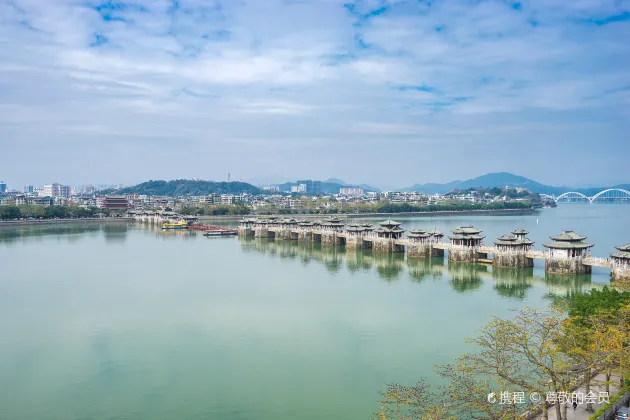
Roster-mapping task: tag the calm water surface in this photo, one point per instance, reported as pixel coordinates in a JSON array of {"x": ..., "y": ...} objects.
[{"x": 126, "y": 322}]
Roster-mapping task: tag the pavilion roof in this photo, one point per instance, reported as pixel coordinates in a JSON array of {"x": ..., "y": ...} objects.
[
  {"x": 466, "y": 236},
  {"x": 621, "y": 255},
  {"x": 520, "y": 232},
  {"x": 568, "y": 245},
  {"x": 512, "y": 240},
  {"x": 389, "y": 222},
  {"x": 354, "y": 228},
  {"x": 467, "y": 230},
  {"x": 568, "y": 236},
  {"x": 624, "y": 248},
  {"x": 417, "y": 230},
  {"x": 389, "y": 229},
  {"x": 435, "y": 232}
]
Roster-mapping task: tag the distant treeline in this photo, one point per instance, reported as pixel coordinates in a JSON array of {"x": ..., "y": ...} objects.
[
  {"x": 366, "y": 208},
  {"x": 186, "y": 187},
  {"x": 48, "y": 212}
]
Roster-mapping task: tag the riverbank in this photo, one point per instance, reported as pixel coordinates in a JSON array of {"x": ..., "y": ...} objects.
[
  {"x": 497, "y": 212},
  {"x": 48, "y": 222}
]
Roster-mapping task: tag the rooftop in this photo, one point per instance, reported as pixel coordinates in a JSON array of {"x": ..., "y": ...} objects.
[
  {"x": 568, "y": 235},
  {"x": 466, "y": 230}
]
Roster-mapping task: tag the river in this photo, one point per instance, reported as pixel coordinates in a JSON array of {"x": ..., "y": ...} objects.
[{"x": 121, "y": 321}]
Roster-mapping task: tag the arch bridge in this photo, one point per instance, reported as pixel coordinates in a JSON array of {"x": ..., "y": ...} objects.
[{"x": 610, "y": 195}]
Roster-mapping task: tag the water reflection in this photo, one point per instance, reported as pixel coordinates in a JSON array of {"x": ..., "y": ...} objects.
[
  {"x": 72, "y": 232},
  {"x": 423, "y": 268},
  {"x": 513, "y": 282},
  {"x": 389, "y": 265},
  {"x": 466, "y": 277},
  {"x": 115, "y": 233}
]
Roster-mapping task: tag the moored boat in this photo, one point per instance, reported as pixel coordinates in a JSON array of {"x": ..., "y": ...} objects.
[
  {"x": 176, "y": 225},
  {"x": 221, "y": 232}
]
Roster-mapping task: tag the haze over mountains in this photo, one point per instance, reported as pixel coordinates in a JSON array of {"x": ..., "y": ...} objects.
[
  {"x": 332, "y": 186},
  {"x": 505, "y": 179}
]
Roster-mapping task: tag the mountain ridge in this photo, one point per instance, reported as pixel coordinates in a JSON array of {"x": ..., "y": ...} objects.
[{"x": 502, "y": 180}]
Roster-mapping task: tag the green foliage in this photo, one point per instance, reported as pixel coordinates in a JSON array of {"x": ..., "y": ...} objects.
[
  {"x": 387, "y": 207},
  {"x": 9, "y": 212},
  {"x": 47, "y": 212},
  {"x": 582, "y": 306},
  {"x": 613, "y": 400},
  {"x": 182, "y": 187},
  {"x": 220, "y": 210}
]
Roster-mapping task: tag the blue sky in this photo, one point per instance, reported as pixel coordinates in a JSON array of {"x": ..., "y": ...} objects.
[{"x": 387, "y": 92}]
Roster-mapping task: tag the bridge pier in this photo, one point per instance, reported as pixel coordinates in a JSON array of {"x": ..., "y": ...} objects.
[
  {"x": 261, "y": 232},
  {"x": 512, "y": 259},
  {"x": 245, "y": 231},
  {"x": 463, "y": 254},
  {"x": 621, "y": 273},
  {"x": 567, "y": 266},
  {"x": 354, "y": 242},
  {"x": 305, "y": 236},
  {"x": 419, "y": 250}
]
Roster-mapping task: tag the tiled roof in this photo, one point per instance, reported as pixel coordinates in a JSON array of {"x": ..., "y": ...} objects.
[{"x": 568, "y": 235}]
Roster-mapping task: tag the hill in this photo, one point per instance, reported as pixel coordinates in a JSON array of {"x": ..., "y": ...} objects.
[
  {"x": 189, "y": 187},
  {"x": 501, "y": 180}
]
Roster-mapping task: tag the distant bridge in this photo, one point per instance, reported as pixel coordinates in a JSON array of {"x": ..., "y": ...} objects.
[{"x": 610, "y": 195}]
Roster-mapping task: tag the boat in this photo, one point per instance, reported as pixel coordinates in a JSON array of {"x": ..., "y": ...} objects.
[
  {"x": 176, "y": 225},
  {"x": 221, "y": 232}
]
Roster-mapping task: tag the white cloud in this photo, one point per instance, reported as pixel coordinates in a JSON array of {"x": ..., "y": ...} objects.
[{"x": 316, "y": 68}]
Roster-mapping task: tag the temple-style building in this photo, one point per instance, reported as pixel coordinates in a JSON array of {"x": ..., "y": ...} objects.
[
  {"x": 621, "y": 263},
  {"x": 333, "y": 223},
  {"x": 464, "y": 243},
  {"x": 467, "y": 236},
  {"x": 355, "y": 229},
  {"x": 511, "y": 250},
  {"x": 436, "y": 234},
  {"x": 421, "y": 243},
  {"x": 389, "y": 229},
  {"x": 566, "y": 253}
]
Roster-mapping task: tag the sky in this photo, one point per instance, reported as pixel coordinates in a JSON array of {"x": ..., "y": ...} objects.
[{"x": 385, "y": 92}]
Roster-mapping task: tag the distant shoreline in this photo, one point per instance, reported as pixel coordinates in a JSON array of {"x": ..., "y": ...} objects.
[
  {"x": 495, "y": 212},
  {"x": 48, "y": 222}
]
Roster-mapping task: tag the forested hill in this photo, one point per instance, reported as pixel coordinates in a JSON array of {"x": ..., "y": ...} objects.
[{"x": 189, "y": 187}]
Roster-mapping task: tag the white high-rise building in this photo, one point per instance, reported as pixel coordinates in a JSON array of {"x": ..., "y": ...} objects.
[{"x": 56, "y": 190}]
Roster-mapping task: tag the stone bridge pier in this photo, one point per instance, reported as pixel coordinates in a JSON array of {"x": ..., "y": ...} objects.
[
  {"x": 512, "y": 259},
  {"x": 261, "y": 232},
  {"x": 621, "y": 273},
  {"x": 567, "y": 266},
  {"x": 419, "y": 250},
  {"x": 354, "y": 242},
  {"x": 465, "y": 254},
  {"x": 305, "y": 236}
]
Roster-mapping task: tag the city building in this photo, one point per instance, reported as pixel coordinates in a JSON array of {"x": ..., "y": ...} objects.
[
  {"x": 3, "y": 187},
  {"x": 355, "y": 192},
  {"x": 311, "y": 187},
  {"x": 271, "y": 188},
  {"x": 57, "y": 190},
  {"x": 29, "y": 189}
]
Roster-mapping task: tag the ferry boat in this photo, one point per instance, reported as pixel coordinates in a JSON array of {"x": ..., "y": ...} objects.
[
  {"x": 221, "y": 232},
  {"x": 176, "y": 225}
]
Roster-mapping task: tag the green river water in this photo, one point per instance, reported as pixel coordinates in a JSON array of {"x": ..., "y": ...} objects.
[{"x": 120, "y": 321}]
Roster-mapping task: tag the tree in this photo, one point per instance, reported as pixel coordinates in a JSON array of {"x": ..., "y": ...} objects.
[
  {"x": 9, "y": 212},
  {"x": 525, "y": 353}
]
